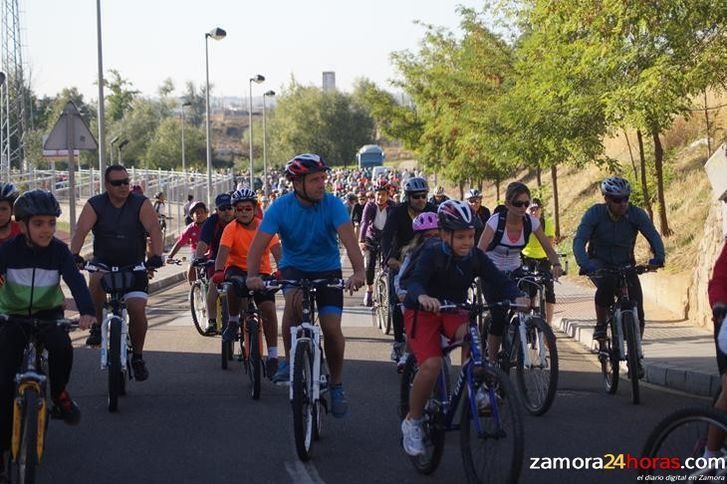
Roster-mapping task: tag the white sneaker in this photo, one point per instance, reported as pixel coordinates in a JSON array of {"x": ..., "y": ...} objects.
[
  {"x": 397, "y": 348},
  {"x": 402, "y": 362},
  {"x": 413, "y": 440},
  {"x": 482, "y": 397}
]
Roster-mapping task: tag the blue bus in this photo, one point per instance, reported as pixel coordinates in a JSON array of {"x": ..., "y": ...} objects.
[{"x": 369, "y": 156}]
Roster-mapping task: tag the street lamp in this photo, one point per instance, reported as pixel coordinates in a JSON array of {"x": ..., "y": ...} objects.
[
  {"x": 217, "y": 34},
  {"x": 257, "y": 80},
  {"x": 121, "y": 147},
  {"x": 270, "y": 93},
  {"x": 113, "y": 142},
  {"x": 184, "y": 158},
  {"x": 2, "y": 146},
  {"x": 101, "y": 115}
]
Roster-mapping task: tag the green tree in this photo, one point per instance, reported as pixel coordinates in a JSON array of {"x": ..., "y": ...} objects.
[
  {"x": 165, "y": 148},
  {"x": 121, "y": 97}
]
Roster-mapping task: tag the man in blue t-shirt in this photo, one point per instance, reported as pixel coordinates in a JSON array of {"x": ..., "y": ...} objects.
[{"x": 309, "y": 221}]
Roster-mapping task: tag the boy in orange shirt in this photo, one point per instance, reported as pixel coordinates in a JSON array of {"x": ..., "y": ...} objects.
[{"x": 232, "y": 261}]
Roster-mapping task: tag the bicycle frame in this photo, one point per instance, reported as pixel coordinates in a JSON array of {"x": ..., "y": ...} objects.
[
  {"x": 624, "y": 305},
  {"x": 307, "y": 330}
]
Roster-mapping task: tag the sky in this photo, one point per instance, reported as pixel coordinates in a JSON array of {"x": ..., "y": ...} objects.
[{"x": 148, "y": 41}]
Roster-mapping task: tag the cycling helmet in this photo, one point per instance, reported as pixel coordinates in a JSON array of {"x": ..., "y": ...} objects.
[
  {"x": 382, "y": 186},
  {"x": 425, "y": 221},
  {"x": 244, "y": 195},
  {"x": 351, "y": 197},
  {"x": 439, "y": 190},
  {"x": 456, "y": 215},
  {"x": 223, "y": 199},
  {"x": 304, "y": 164},
  {"x": 474, "y": 193},
  {"x": 36, "y": 202},
  {"x": 159, "y": 195},
  {"x": 196, "y": 205},
  {"x": 416, "y": 184},
  {"x": 616, "y": 187},
  {"x": 8, "y": 193}
]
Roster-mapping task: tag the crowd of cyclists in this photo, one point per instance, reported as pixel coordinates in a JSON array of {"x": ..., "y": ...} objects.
[{"x": 432, "y": 246}]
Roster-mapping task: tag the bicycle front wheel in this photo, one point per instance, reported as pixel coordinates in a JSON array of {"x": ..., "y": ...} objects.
[
  {"x": 537, "y": 366},
  {"x": 303, "y": 400},
  {"x": 27, "y": 459},
  {"x": 681, "y": 435},
  {"x": 115, "y": 373},
  {"x": 491, "y": 429},
  {"x": 632, "y": 355},
  {"x": 255, "y": 362},
  {"x": 198, "y": 306}
]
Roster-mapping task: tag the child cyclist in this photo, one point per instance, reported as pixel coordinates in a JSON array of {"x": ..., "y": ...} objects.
[
  {"x": 444, "y": 271},
  {"x": 190, "y": 235},
  {"x": 31, "y": 266}
]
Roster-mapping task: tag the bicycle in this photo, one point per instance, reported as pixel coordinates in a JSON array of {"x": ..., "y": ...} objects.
[
  {"x": 683, "y": 435},
  {"x": 380, "y": 310},
  {"x": 623, "y": 334},
  {"x": 308, "y": 370},
  {"x": 32, "y": 400},
  {"x": 496, "y": 431},
  {"x": 115, "y": 341},
  {"x": 198, "y": 298}
]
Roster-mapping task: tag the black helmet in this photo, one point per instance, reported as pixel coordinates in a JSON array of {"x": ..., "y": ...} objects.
[
  {"x": 303, "y": 165},
  {"x": 455, "y": 215},
  {"x": 416, "y": 184},
  {"x": 8, "y": 193},
  {"x": 222, "y": 200},
  {"x": 36, "y": 202}
]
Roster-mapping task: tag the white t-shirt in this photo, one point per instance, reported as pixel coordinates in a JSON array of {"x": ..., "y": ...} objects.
[
  {"x": 380, "y": 219},
  {"x": 507, "y": 257}
]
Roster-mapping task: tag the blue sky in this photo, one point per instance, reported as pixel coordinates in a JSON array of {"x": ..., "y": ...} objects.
[{"x": 148, "y": 41}]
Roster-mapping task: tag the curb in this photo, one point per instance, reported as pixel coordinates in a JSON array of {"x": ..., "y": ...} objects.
[
  {"x": 670, "y": 376},
  {"x": 165, "y": 282}
]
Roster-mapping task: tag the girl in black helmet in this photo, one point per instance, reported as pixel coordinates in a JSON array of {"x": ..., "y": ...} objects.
[{"x": 8, "y": 228}]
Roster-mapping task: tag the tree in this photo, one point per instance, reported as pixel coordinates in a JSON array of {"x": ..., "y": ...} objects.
[
  {"x": 165, "y": 148},
  {"x": 122, "y": 96}
]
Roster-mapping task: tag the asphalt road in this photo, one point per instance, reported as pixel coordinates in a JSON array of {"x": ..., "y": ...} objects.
[{"x": 193, "y": 422}]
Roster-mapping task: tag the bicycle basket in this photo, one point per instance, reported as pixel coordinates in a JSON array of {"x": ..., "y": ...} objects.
[{"x": 117, "y": 282}]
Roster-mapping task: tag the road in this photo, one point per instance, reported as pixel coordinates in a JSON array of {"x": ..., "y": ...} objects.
[{"x": 193, "y": 422}]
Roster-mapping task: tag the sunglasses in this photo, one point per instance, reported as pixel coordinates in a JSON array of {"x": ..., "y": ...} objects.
[
  {"x": 244, "y": 209},
  {"x": 421, "y": 196},
  {"x": 619, "y": 199},
  {"x": 225, "y": 207},
  {"x": 118, "y": 183},
  {"x": 520, "y": 203}
]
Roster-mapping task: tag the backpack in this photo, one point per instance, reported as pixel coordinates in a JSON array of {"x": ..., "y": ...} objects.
[
  {"x": 500, "y": 232},
  {"x": 440, "y": 262}
]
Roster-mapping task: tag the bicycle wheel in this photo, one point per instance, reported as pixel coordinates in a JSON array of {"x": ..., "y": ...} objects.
[
  {"x": 492, "y": 441},
  {"x": 27, "y": 458},
  {"x": 382, "y": 303},
  {"x": 227, "y": 347},
  {"x": 681, "y": 435},
  {"x": 538, "y": 381},
  {"x": 608, "y": 357},
  {"x": 321, "y": 404},
  {"x": 632, "y": 355},
  {"x": 303, "y": 400},
  {"x": 198, "y": 306},
  {"x": 114, "y": 364},
  {"x": 432, "y": 425},
  {"x": 254, "y": 360}
]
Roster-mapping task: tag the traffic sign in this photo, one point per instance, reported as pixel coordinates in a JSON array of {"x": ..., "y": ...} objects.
[{"x": 70, "y": 132}]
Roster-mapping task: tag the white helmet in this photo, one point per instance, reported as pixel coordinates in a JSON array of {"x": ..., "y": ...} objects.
[{"x": 616, "y": 187}]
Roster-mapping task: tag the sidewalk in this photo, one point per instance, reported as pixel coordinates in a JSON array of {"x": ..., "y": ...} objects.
[{"x": 676, "y": 354}]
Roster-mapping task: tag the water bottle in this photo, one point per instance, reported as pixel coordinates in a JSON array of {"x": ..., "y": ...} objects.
[{"x": 722, "y": 336}]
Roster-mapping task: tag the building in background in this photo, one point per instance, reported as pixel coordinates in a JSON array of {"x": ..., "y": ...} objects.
[{"x": 329, "y": 80}]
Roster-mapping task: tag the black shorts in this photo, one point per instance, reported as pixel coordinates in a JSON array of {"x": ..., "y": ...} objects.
[
  {"x": 328, "y": 299},
  {"x": 721, "y": 357},
  {"x": 139, "y": 287},
  {"x": 241, "y": 289}
]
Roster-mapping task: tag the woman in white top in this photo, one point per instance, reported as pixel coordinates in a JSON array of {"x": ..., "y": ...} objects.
[{"x": 505, "y": 235}]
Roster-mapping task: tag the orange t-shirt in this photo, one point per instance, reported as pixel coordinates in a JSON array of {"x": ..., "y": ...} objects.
[{"x": 238, "y": 238}]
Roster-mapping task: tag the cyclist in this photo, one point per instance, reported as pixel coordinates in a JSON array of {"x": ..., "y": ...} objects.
[
  {"x": 534, "y": 255},
  {"x": 31, "y": 267},
  {"x": 8, "y": 227},
  {"x": 474, "y": 198},
  {"x": 398, "y": 232},
  {"x": 231, "y": 261},
  {"x": 186, "y": 209},
  {"x": 438, "y": 196},
  {"x": 444, "y": 271},
  {"x": 610, "y": 230},
  {"x": 373, "y": 221},
  {"x": 120, "y": 221},
  {"x": 209, "y": 243},
  {"x": 506, "y": 234},
  {"x": 718, "y": 302},
  {"x": 190, "y": 235},
  {"x": 308, "y": 221},
  {"x": 357, "y": 211}
]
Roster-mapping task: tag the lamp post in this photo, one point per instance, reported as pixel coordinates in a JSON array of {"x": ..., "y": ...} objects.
[
  {"x": 2, "y": 145},
  {"x": 217, "y": 34},
  {"x": 257, "y": 80},
  {"x": 121, "y": 147},
  {"x": 101, "y": 115},
  {"x": 184, "y": 156},
  {"x": 114, "y": 140},
  {"x": 266, "y": 187}
]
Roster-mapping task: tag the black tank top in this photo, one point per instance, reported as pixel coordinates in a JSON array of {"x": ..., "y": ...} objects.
[{"x": 119, "y": 237}]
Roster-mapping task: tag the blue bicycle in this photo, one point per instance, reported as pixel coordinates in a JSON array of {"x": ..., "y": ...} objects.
[{"x": 491, "y": 427}]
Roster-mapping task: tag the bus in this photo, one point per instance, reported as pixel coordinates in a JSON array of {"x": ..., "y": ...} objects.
[{"x": 369, "y": 156}]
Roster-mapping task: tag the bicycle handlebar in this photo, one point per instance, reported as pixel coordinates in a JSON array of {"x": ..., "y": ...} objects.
[
  {"x": 39, "y": 322},
  {"x": 203, "y": 263},
  {"x": 449, "y": 306},
  {"x": 283, "y": 283},
  {"x": 100, "y": 267},
  {"x": 637, "y": 269}
]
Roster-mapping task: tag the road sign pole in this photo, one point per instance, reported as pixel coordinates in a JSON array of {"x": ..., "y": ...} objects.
[{"x": 70, "y": 144}]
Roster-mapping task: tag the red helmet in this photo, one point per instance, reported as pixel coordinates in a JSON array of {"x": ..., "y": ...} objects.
[{"x": 303, "y": 165}]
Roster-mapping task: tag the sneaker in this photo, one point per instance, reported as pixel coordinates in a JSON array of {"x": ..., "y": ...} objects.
[
  {"x": 139, "y": 367},
  {"x": 368, "y": 300},
  {"x": 482, "y": 397},
  {"x": 271, "y": 367},
  {"x": 599, "y": 332},
  {"x": 282, "y": 376},
  {"x": 211, "y": 328},
  {"x": 402, "y": 362},
  {"x": 230, "y": 332},
  {"x": 66, "y": 409},
  {"x": 339, "y": 404},
  {"x": 412, "y": 437},
  {"x": 397, "y": 349},
  {"x": 94, "y": 337}
]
